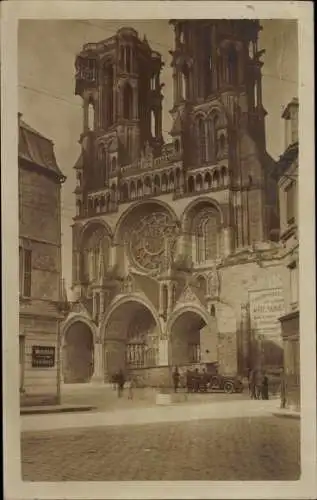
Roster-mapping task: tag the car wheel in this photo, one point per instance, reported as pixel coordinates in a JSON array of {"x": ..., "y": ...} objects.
[{"x": 228, "y": 387}]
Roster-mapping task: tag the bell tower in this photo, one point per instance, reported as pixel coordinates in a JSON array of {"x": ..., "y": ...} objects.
[
  {"x": 118, "y": 80},
  {"x": 219, "y": 118}
]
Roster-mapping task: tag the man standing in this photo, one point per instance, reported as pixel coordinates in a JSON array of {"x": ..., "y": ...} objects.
[
  {"x": 120, "y": 383},
  {"x": 176, "y": 377},
  {"x": 283, "y": 389},
  {"x": 265, "y": 387}
]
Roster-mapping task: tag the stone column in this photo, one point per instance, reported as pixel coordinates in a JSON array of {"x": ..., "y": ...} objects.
[
  {"x": 161, "y": 298},
  {"x": 175, "y": 87},
  {"x": 112, "y": 256},
  {"x": 125, "y": 258},
  {"x": 135, "y": 103},
  {"x": 163, "y": 352},
  {"x": 180, "y": 244},
  {"x": 227, "y": 243},
  {"x": 85, "y": 115},
  {"x": 170, "y": 297},
  {"x": 98, "y": 375},
  {"x": 102, "y": 303},
  {"x": 94, "y": 305}
]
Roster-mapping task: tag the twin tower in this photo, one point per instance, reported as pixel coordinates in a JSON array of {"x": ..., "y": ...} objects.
[{"x": 218, "y": 119}]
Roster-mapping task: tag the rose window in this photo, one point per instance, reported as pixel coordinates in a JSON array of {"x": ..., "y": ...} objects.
[{"x": 148, "y": 241}]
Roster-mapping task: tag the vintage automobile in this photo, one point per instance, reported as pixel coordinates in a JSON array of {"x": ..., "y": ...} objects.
[{"x": 207, "y": 382}]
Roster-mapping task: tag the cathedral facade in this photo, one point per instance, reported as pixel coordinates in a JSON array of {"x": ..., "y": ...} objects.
[{"x": 176, "y": 259}]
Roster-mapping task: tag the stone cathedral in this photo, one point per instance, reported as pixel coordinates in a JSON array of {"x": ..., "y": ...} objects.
[{"x": 176, "y": 260}]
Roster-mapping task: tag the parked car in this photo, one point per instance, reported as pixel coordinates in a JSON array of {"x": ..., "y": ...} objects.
[{"x": 207, "y": 382}]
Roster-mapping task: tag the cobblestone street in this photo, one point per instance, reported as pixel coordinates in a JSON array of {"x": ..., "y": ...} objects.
[{"x": 257, "y": 448}]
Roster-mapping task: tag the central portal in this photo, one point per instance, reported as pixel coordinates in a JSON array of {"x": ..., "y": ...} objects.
[
  {"x": 131, "y": 339},
  {"x": 186, "y": 338}
]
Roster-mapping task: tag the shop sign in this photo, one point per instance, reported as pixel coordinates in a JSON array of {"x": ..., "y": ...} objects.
[
  {"x": 266, "y": 307},
  {"x": 43, "y": 356}
]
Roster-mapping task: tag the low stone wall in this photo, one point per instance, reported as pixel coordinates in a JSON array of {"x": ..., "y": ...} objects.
[
  {"x": 27, "y": 400},
  {"x": 157, "y": 376}
]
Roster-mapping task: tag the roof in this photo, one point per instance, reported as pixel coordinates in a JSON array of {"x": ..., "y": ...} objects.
[
  {"x": 177, "y": 125},
  {"x": 37, "y": 149}
]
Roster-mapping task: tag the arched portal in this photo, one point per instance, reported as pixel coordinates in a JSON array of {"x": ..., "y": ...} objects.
[
  {"x": 131, "y": 337},
  {"x": 78, "y": 353},
  {"x": 188, "y": 333}
]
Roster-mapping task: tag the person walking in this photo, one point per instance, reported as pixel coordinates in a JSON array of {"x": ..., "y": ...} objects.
[
  {"x": 252, "y": 391},
  {"x": 265, "y": 387},
  {"x": 130, "y": 386},
  {"x": 283, "y": 389},
  {"x": 258, "y": 384},
  {"x": 120, "y": 383},
  {"x": 176, "y": 377}
]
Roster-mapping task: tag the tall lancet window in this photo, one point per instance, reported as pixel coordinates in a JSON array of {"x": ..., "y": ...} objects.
[
  {"x": 185, "y": 82},
  {"x": 128, "y": 59},
  {"x": 233, "y": 66},
  {"x": 207, "y": 236},
  {"x": 95, "y": 247},
  {"x": 127, "y": 101},
  {"x": 91, "y": 116},
  {"x": 201, "y": 139}
]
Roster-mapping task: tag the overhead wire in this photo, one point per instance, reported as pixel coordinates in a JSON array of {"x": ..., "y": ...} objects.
[{"x": 63, "y": 99}]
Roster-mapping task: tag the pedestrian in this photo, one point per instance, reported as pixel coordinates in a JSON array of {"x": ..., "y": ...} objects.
[
  {"x": 189, "y": 381},
  {"x": 176, "y": 377},
  {"x": 258, "y": 384},
  {"x": 283, "y": 389},
  {"x": 114, "y": 381},
  {"x": 265, "y": 387},
  {"x": 204, "y": 381},
  {"x": 130, "y": 386},
  {"x": 196, "y": 380},
  {"x": 252, "y": 391},
  {"x": 120, "y": 383}
]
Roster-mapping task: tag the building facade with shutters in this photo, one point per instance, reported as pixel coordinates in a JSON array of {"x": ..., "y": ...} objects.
[
  {"x": 288, "y": 195},
  {"x": 176, "y": 259},
  {"x": 40, "y": 298}
]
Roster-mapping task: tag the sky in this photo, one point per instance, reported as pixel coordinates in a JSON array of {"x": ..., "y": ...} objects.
[{"x": 47, "y": 51}]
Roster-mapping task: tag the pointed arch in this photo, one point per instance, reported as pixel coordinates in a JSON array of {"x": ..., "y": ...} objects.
[
  {"x": 233, "y": 65},
  {"x": 157, "y": 184},
  {"x": 147, "y": 186},
  {"x": 139, "y": 188},
  {"x": 124, "y": 192},
  {"x": 207, "y": 180},
  {"x": 171, "y": 180},
  {"x": 191, "y": 184},
  {"x": 216, "y": 179},
  {"x": 224, "y": 176},
  {"x": 199, "y": 182},
  {"x": 108, "y": 202},
  {"x": 132, "y": 190},
  {"x": 201, "y": 138},
  {"x": 95, "y": 245},
  {"x": 164, "y": 183},
  {"x": 127, "y": 101}
]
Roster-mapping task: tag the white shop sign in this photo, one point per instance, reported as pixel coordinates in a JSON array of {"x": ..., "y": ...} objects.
[{"x": 266, "y": 307}]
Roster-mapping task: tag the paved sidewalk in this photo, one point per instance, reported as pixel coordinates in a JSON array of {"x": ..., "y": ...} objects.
[
  {"x": 159, "y": 414},
  {"x": 43, "y": 410}
]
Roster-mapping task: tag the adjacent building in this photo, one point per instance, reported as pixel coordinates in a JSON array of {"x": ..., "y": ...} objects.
[
  {"x": 176, "y": 259},
  {"x": 40, "y": 181},
  {"x": 288, "y": 196}
]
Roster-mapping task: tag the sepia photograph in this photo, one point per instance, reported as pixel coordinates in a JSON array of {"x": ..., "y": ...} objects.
[{"x": 159, "y": 273}]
